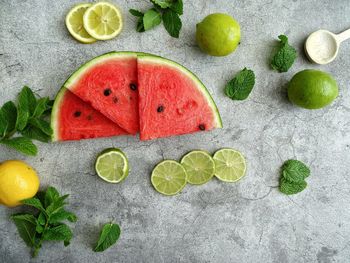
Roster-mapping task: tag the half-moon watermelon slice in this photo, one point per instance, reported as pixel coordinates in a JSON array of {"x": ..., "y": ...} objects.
[
  {"x": 74, "y": 119},
  {"x": 109, "y": 84},
  {"x": 172, "y": 100}
]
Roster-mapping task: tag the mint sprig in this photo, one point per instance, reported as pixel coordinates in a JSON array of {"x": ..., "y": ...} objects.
[
  {"x": 293, "y": 177},
  {"x": 27, "y": 119},
  {"x": 241, "y": 85},
  {"x": 285, "y": 56},
  {"x": 109, "y": 235},
  {"x": 167, "y": 10},
  {"x": 45, "y": 224}
]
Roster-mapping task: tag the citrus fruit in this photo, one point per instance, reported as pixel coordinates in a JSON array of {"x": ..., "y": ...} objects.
[
  {"x": 218, "y": 34},
  {"x": 312, "y": 89},
  {"x": 230, "y": 165},
  {"x": 112, "y": 165},
  {"x": 199, "y": 166},
  {"x": 74, "y": 23},
  {"x": 169, "y": 177},
  {"x": 18, "y": 181},
  {"x": 103, "y": 21}
]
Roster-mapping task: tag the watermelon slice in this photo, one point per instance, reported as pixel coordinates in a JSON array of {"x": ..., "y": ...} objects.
[
  {"x": 73, "y": 119},
  {"x": 109, "y": 84},
  {"x": 172, "y": 100}
]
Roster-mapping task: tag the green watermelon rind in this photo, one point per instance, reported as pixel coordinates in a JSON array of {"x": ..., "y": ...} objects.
[
  {"x": 55, "y": 114},
  {"x": 199, "y": 84}
]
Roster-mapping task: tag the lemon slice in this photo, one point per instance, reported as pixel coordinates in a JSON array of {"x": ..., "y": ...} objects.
[
  {"x": 103, "y": 21},
  {"x": 74, "y": 23},
  {"x": 169, "y": 177},
  {"x": 200, "y": 167},
  {"x": 230, "y": 165},
  {"x": 112, "y": 165}
]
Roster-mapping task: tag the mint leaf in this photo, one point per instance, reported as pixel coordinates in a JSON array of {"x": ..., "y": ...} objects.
[
  {"x": 56, "y": 205},
  {"x": 109, "y": 235},
  {"x": 35, "y": 202},
  {"x": 35, "y": 133},
  {"x": 59, "y": 233},
  {"x": 241, "y": 85},
  {"x": 21, "y": 144},
  {"x": 291, "y": 188},
  {"x": 295, "y": 171},
  {"x": 26, "y": 107},
  {"x": 140, "y": 27},
  {"x": 42, "y": 218},
  {"x": 177, "y": 6},
  {"x": 62, "y": 215},
  {"x": 151, "y": 19},
  {"x": 172, "y": 23},
  {"x": 25, "y": 224},
  {"x": 163, "y": 3},
  {"x": 285, "y": 56},
  {"x": 135, "y": 13},
  {"x": 42, "y": 105},
  {"x": 8, "y": 116},
  {"x": 44, "y": 126},
  {"x": 51, "y": 195}
]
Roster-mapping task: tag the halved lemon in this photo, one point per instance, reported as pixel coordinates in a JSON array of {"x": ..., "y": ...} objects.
[
  {"x": 75, "y": 26},
  {"x": 103, "y": 21}
]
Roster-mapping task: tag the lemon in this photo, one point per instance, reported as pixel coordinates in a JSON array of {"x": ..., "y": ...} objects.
[
  {"x": 18, "y": 181},
  {"x": 103, "y": 21},
  {"x": 74, "y": 23},
  {"x": 230, "y": 165}
]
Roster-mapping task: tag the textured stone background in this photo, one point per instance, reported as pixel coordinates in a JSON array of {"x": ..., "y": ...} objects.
[{"x": 250, "y": 221}]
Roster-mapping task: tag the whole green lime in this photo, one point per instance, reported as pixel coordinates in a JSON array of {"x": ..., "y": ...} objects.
[
  {"x": 312, "y": 89},
  {"x": 218, "y": 34}
]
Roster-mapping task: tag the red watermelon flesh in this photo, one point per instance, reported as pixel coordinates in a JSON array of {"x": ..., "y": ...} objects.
[
  {"x": 172, "y": 100},
  {"x": 74, "y": 119},
  {"x": 109, "y": 84}
]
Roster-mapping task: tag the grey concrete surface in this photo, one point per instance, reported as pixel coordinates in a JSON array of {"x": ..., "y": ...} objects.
[{"x": 249, "y": 221}]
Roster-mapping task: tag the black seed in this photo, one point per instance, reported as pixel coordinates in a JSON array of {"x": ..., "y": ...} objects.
[
  {"x": 107, "y": 92},
  {"x": 201, "y": 127},
  {"x": 133, "y": 86},
  {"x": 115, "y": 100},
  {"x": 77, "y": 114},
  {"x": 239, "y": 43},
  {"x": 89, "y": 117},
  {"x": 160, "y": 108}
]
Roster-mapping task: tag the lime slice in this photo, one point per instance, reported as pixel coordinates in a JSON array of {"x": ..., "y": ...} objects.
[
  {"x": 74, "y": 23},
  {"x": 112, "y": 165},
  {"x": 199, "y": 166},
  {"x": 229, "y": 164},
  {"x": 169, "y": 177},
  {"x": 103, "y": 21}
]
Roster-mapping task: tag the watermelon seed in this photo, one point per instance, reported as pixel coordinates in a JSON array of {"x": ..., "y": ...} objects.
[
  {"x": 133, "y": 86},
  {"x": 89, "y": 117},
  {"x": 77, "y": 114},
  {"x": 201, "y": 127},
  {"x": 115, "y": 100},
  {"x": 107, "y": 92},
  {"x": 160, "y": 108}
]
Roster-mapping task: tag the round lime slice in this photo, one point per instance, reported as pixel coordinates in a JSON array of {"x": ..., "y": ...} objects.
[
  {"x": 112, "y": 165},
  {"x": 230, "y": 165},
  {"x": 169, "y": 177},
  {"x": 199, "y": 166}
]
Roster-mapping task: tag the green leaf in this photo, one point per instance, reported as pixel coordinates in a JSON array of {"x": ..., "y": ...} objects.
[
  {"x": 285, "y": 56},
  {"x": 35, "y": 202},
  {"x": 25, "y": 224},
  {"x": 295, "y": 171},
  {"x": 44, "y": 126},
  {"x": 56, "y": 205},
  {"x": 140, "y": 27},
  {"x": 42, "y": 218},
  {"x": 135, "y": 13},
  {"x": 172, "y": 23},
  {"x": 21, "y": 144},
  {"x": 61, "y": 215},
  {"x": 163, "y": 3},
  {"x": 8, "y": 116},
  {"x": 241, "y": 85},
  {"x": 151, "y": 19},
  {"x": 177, "y": 6},
  {"x": 26, "y": 107},
  {"x": 39, "y": 228},
  {"x": 35, "y": 133},
  {"x": 291, "y": 188},
  {"x": 109, "y": 235},
  {"x": 51, "y": 195},
  {"x": 60, "y": 232},
  {"x": 41, "y": 106}
]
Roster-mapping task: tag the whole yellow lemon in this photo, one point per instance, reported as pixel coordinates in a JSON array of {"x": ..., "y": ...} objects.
[{"x": 18, "y": 181}]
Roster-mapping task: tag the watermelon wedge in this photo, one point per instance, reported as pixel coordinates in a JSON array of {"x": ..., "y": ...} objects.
[
  {"x": 109, "y": 84},
  {"x": 172, "y": 100},
  {"x": 73, "y": 119}
]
